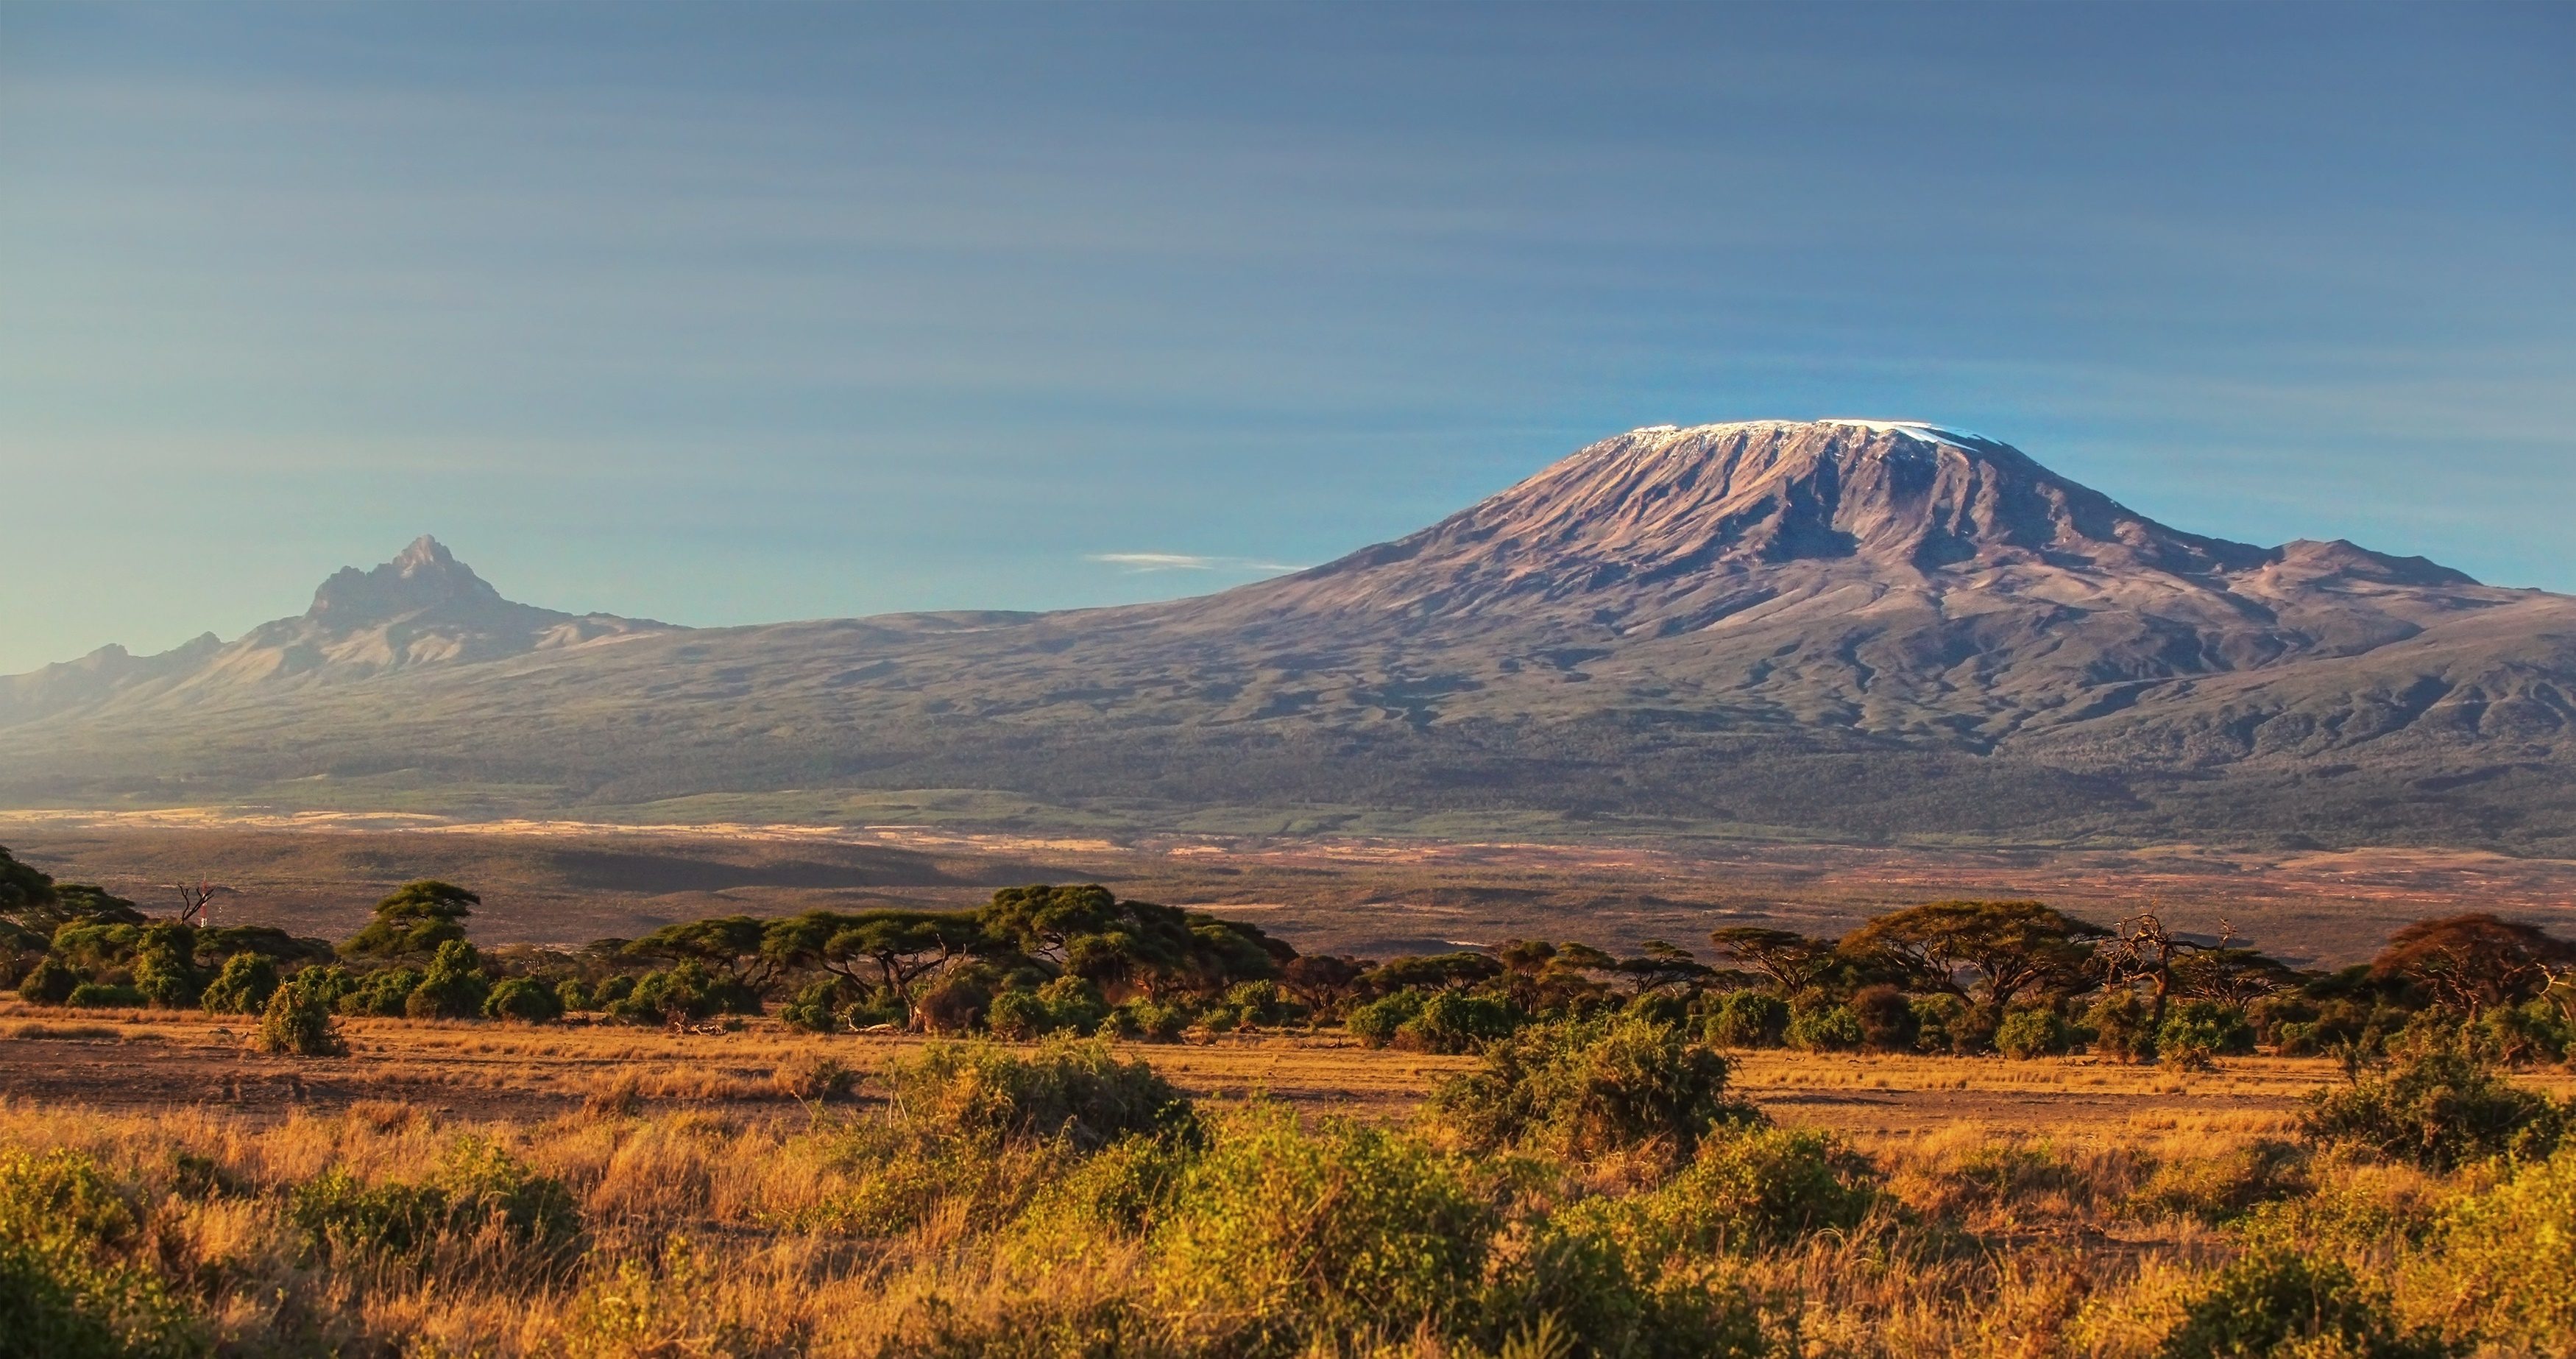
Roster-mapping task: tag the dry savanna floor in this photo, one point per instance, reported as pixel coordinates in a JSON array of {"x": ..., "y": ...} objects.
[{"x": 146, "y": 1060}]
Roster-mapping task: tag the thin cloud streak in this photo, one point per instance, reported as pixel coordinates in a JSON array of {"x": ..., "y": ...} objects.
[{"x": 1186, "y": 561}]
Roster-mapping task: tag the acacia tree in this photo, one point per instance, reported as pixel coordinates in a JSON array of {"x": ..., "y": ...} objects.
[
  {"x": 2234, "y": 976},
  {"x": 736, "y": 945},
  {"x": 417, "y": 918},
  {"x": 1792, "y": 961},
  {"x": 898, "y": 947},
  {"x": 2474, "y": 962},
  {"x": 1661, "y": 965},
  {"x": 2004, "y": 948}
]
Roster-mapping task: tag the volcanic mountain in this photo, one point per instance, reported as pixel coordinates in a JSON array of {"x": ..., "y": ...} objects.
[{"x": 1854, "y": 628}]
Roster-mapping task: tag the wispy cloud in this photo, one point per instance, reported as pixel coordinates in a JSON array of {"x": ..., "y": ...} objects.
[{"x": 1184, "y": 561}]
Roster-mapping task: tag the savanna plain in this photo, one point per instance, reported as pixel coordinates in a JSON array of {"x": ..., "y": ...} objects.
[{"x": 1829, "y": 1111}]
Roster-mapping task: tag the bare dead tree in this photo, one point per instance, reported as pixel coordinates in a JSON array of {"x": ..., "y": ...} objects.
[
  {"x": 2142, "y": 949},
  {"x": 195, "y": 897}
]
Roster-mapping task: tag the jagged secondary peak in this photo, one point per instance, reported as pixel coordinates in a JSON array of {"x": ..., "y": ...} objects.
[{"x": 424, "y": 575}]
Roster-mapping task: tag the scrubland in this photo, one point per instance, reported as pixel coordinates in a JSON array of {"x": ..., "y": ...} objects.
[{"x": 1604, "y": 1187}]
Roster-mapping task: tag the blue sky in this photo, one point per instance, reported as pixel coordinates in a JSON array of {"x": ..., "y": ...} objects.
[{"x": 737, "y": 314}]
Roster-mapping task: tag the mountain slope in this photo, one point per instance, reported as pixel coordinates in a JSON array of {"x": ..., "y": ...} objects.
[
  {"x": 1847, "y": 627},
  {"x": 423, "y": 608}
]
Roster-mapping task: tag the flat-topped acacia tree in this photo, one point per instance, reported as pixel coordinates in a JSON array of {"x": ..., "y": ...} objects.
[
  {"x": 2005, "y": 949},
  {"x": 416, "y": 919}
]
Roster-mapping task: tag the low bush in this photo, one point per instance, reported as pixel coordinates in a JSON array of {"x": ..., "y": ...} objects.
[
  {"x": 2437, "y": 1108},
  {"x": 524, "y": 999},
  {"x": 475, "y": 1187},
  {"x": 2274, "y": 1302},
  {"x": 1152, "y": 1021},
  {"x": 2032, "y": 1033},
  {"x": 1072, "y": 1089},
  {"x": 2198, "y": 1032},
  {"x": 1823, "y": 1028},
  {"x": 242, "y": 987},
  {"x": 1887, "y": 1021},
  {"x": 71, "y": 1286},
  {"x": 815, "y": 1008},
  {"x": 297, "y": 1022},
  {"x": 48, "y": 983},
  {"x": 2122, "y": 1024},
  {"x": 1065, "y": 1005},
  {"x": 1280, "y": 1236},
  {"x": 2223, "y": 1187},
  {"x": 1747, "y": 1189},
  {"x": 2501, "y": 1260},
  {"x": 1586, "y": 1087},
  {"x": 104, "y": 996},
  {"x": 1458, "y": 1022},
  {"x": 382, "y": 993},
  {"x": 1749, "y": 1019},
  {"x": 1377, "y": 1023},
  {"x": 453, "y": 987},
  {"x": 686, "y": 992}
]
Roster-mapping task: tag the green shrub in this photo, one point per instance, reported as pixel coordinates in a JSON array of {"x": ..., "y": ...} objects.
[
  {"x": 687, "y": 992},
  {"x": 102, "y": 996},
  {"x": 2276, "y": 1301},
  {"x": 1069, "y": 1088},
  {"x": 1281, "y": 1236},
  {"x": 453, "y": 987},
  {"x": 1943, "y": 1023},
  {"x": 2198, "y": 1032},
  {"x": 1377, "y": 1023},
  {"x": 1747, "y": 1190},
  {"x": 165, "y": 965},
  {"x": 1068, "y": 1004},
  {"x": 1585, "y": 1087},
  {"x": 1259, "y": 1004},
  {"x": 69, "y": 1285},
  {"x": 243, "y": 987},
  {"x": 2503, "y": 1257},
  {"x": 815, "y": 1008},
  {"x": 49, "y": 983},
  {"x": 2439, "y": 1108},
  {"x": 2122, "y": 1023},
  {"x": 382, "y": 993},
  {"x": 476, "y": 1186},
  {"x": 2033, "y": 1033},
  {"x": 1114, "y": 1196},
  {"x": 1823, "y": 1028},
  {"x": 1151, "y": 1020},
  {"x": 575, "y": 995},
  {"x": 2223, "y": 1187},
  {"x": 298, "y": 1022},
  {"x": 1749, "y": 1019},
  {"x": 524, "y": 999},
  {"x": 1457, "y": 1022}
]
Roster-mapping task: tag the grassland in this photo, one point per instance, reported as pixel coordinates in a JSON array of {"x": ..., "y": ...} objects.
[{"x": 726, "y": 1202}]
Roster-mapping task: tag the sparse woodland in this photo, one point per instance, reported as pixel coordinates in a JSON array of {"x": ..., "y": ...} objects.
[{"x": 1590, "y": 1181}]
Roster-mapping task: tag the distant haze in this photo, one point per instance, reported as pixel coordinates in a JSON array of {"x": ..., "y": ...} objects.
[{"x": 727, "y": 314}]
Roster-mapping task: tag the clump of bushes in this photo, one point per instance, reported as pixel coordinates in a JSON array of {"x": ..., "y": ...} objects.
[
  {"x": 2438, "y": 1108},
  {"x": 1279, "y": 1232},
  {"x": 243, "y": 987},
  {"x": 1587, "y": 1087},
  {"x": 1076, "y": 1090},
  {"x": 1749, "y": 1019},
  {"x": 2275, "y": 1300},
  {"x": 2034, "y": 1032},
  {"x": 524, "y": 999},
  {"x": 476, "y": 1186},
  {"x": 297, "y": 1021},
  {"x": 73, "y": 1281},
  {"x": 1823, "y": 1028}
]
